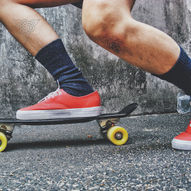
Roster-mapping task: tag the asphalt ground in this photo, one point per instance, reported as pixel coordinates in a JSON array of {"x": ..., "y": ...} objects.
[{"x": 76, "y": 157}]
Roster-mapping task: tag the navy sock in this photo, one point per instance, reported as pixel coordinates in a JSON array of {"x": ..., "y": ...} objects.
[
  {"x": 56, "y": 60},
  {"x": 180, "y": 74}
]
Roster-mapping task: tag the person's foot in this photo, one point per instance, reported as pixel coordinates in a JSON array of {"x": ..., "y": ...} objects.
[
  {"x": 183, "y": 141},
  {"x": 60, "y": 104}
]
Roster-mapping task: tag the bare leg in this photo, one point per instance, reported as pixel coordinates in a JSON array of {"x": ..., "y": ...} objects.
[
  {"x": 110, "y": 24},
  {"x": 26, "y": 25},
  {"x": 34, "y": 33}
]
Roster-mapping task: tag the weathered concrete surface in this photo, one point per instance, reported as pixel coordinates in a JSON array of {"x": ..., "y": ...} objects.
[{"x": 23, "y": 81}]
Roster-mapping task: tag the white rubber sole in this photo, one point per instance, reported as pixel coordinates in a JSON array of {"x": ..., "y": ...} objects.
[
  {"x": 57, "y": 114},
  {"x": 181, "y": 145}
]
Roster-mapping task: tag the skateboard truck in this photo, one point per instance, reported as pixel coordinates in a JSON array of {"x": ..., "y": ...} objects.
[
  {"x": 106, "y": 124},
  {"x": 7, "y": 130}
]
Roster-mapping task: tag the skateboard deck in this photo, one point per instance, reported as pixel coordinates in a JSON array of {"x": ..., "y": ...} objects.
[{"x": 107, "y": 123}]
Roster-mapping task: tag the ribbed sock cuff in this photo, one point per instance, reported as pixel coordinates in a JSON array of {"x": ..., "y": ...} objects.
[
  {"x": 180, "y": 73},
  {"x": 48, "y": 53}
]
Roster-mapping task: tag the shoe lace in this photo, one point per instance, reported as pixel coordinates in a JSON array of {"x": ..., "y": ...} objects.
[{"x": 51, "y": 95}]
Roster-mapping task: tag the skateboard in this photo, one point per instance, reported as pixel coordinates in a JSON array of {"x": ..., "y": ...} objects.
[{"x": 107, "y": 123}]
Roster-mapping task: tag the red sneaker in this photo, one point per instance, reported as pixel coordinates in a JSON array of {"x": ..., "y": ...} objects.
[
  {"x": 183, "y": 141},
  {"x": 60, "y": 104}
]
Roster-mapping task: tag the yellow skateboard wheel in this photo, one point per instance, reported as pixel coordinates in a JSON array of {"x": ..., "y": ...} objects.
[
  {"x": 3, "y": 142},
  {"x": 117, "y": 135}
]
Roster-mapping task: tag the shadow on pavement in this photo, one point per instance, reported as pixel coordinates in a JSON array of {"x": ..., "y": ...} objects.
[{"x": 54, "y": 144}]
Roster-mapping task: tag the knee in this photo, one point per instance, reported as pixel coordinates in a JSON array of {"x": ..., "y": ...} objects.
[
  {"x": 99, "y": 18},
  {"x": 103, "y": 20}
]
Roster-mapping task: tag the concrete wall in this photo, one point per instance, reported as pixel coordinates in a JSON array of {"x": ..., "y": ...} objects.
[{"x": 23, "y": 81}]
